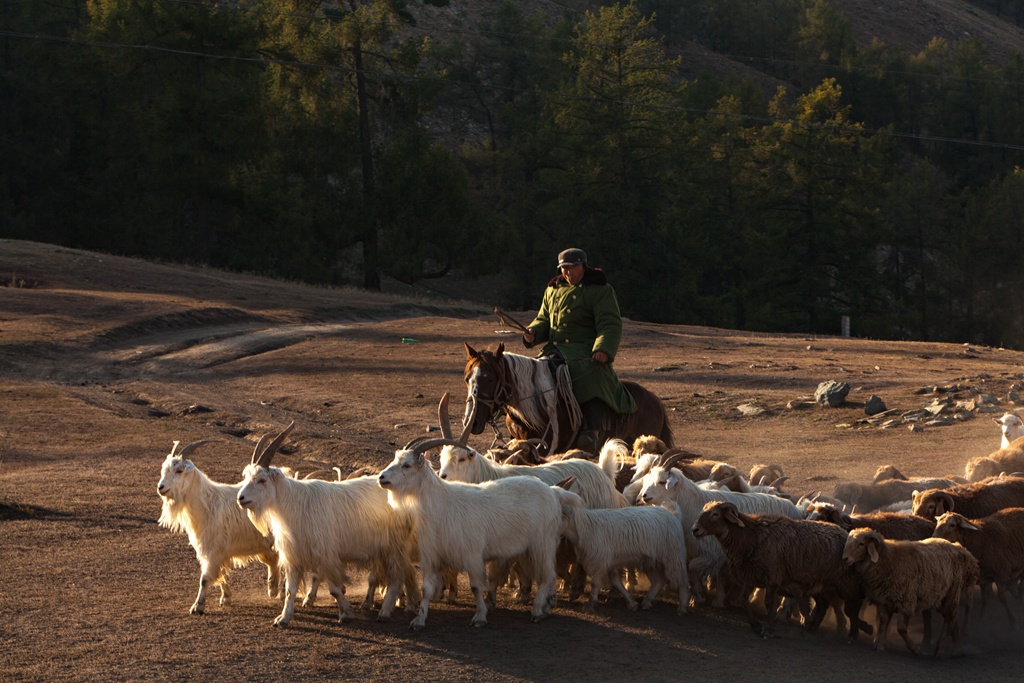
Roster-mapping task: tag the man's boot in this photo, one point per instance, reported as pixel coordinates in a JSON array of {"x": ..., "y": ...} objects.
[{"x": 590, "y": 435}]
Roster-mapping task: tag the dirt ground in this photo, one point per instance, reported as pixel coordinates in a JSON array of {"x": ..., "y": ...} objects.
[{"x": 105, "y": 361}]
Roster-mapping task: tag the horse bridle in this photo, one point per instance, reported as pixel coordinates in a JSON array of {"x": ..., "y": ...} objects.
[{"x": 501, "y": 394}]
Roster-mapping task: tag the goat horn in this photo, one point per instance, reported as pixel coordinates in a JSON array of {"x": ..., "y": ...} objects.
[
  {"x": 268, "y": 453},
  {"x": 192, "y": 446},
  {"x": 672, "y": 456},
  {"x": 442, "y": 417},
  {"x": 260, "y": 445},
  {"x": 174, "y": 447},
  {"x": 426, "y": 445},
  {"x": 566, "y": 483},
  {"x": 778, "y": 482},
  {"x": 417, "y": 439}
]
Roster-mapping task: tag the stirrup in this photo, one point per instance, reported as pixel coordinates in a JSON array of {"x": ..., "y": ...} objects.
[{"x": 588, "y": 441}]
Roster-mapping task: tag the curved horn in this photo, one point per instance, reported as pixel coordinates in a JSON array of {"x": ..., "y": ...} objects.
[
  {"x": 670, "y": 457},
  {"x": 442, "y": 417},
  {"x": 174, "y": 447},
  {"x": 426, "y": 445},
  {"x": 415, "y": 440},
  {"x": 566, "y": 483},
  {"x": 779, "y": 482},
  {"x": 192, "y": 446},
  {"x": 268, "y": 453},
  {"x": 260, "y": 445}
]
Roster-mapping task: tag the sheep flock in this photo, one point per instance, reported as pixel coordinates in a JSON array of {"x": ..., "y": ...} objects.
[{"x": 639, "y": 518}]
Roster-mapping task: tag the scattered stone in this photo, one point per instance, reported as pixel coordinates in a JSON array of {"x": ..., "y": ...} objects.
[
  {"x": 1013, "y": 397},
  {"x": 401, "y": 425},
  {"x": 156, "y": 412},
  {"x": 195, "y": 409},
  {"x": 874, "y": 405},
  {"x": 666, "y": 368},
  {"x": 939, "y": 422},
  {"x": 433, "y": 428},
  {"x": 831, "y": 393},
  {"x": 799, "y": 405},
  {"x": 753, "y": 410},
  {"x": 927, "y": 390},
  {"x": 916, "y": 428},
  {"x": 988, "y": 400}
]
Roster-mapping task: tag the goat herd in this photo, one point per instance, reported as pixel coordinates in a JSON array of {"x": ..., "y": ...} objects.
[{"x": 701, "y": 527}]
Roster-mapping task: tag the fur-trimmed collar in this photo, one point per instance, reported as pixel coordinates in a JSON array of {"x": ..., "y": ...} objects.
[{"x": 591, "y": 276}]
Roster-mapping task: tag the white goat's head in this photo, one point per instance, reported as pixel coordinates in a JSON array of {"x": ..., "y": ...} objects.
[
  {"x": 177, "y": 470},
  {"x": 1012, "y": 428},
  {"x": 410, "y": 465},
  {"x": 457, "y": 462},
  {"x": 259, "y": 484},
  {"x": 658, "y": 485}
]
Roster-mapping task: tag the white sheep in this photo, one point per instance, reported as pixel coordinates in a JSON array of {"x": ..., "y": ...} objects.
[
  {"x": 217, "y": 529},
  {"x": 706, "y": 557},
  {"x": 464, "y": 526},
  {"x": 786, "y": 557},
  {"x": 1011, "y": 427},
  {"x": 320, "y": 526},
  {"x": 906, "y": 577},
  {"x": 609, "y": 540}
]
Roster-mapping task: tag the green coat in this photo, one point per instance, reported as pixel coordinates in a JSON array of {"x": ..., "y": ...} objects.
[{"x": 577, "y": 321}]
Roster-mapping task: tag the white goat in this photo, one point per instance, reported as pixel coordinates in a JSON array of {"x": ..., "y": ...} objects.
[
  {"x": 463, "y": 526},
  {"x": 319, "y": 526},
  {"x": 608, "y": 540},
  {"x": 1012, "y": 428},
  {"x": 706, "y": 559},
  {"x": 595, "y": 484},
  {"x": 217, "y": 529}
]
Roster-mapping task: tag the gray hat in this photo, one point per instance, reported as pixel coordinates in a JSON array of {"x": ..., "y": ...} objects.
[{"x": 572, "y": 257}]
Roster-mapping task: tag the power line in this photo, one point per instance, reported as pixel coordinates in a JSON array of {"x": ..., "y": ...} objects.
[{"x": 436, "y": 79}]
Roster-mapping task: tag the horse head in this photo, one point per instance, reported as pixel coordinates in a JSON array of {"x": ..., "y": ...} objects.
[{"x": 485, "y": 386}]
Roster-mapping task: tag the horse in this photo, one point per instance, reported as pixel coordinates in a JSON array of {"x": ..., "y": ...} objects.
[{"x": 539, "y": 403}]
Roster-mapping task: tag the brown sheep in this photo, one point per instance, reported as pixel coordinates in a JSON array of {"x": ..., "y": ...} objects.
[
  {"x": 893, "y": 525},
  {"x": 906, "y": 577},
  {"x": 785, "y": 557},
  {"x": 997, "y": 541},
  {"x": 867, "y": 497},
  {"x": 1008, "y": 459},
  {"x": 971, "y": 500}
]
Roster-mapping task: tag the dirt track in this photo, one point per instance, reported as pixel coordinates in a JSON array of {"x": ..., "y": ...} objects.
[{"x": 104, "y": 362}]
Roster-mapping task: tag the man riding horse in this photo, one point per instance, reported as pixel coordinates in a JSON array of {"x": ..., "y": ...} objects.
[{"x": 579, "y": 324}]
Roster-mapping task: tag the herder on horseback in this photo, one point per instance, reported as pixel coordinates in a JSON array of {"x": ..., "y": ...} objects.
[{"x": 579, "y": 324}]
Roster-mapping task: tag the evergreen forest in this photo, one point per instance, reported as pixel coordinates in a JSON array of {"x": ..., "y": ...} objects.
[{"x": 348, "y": 142}]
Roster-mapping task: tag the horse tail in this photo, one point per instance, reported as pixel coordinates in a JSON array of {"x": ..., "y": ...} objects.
[
  {"x": 613, "y": 456},
  {"x": 666, "y": 433}
]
